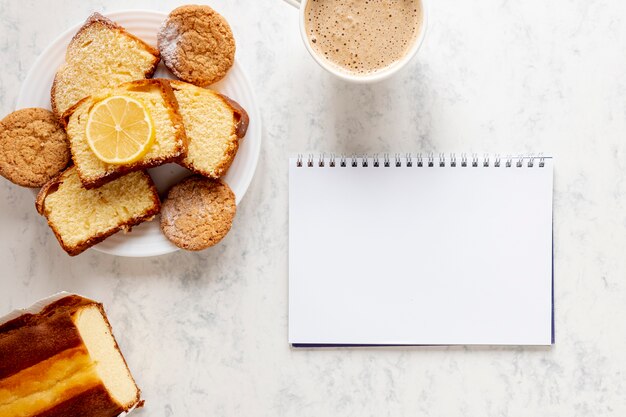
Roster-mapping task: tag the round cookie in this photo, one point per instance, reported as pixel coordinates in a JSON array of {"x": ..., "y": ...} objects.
[
  {"x": 33, "y": 147},
  {"x": 197, "y": 44},
  {"x": 197, "y": 212}
]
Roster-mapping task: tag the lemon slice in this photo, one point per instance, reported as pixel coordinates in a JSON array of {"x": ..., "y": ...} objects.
[{"x": 119, "y": 130}]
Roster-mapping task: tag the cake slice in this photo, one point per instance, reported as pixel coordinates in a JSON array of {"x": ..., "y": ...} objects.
[
  {"x": 214, "y": 124},
  {"x": 102, "y": 54},
  {"x": 80, "y": 218},
  {"x": 63, "y": 362},
  {"x": 170, "y": 139}
]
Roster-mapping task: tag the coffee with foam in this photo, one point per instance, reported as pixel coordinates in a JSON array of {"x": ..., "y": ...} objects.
[{"x": 363, "y": 36}]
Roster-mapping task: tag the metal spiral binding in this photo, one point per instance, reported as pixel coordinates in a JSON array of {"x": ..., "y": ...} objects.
[{"x": 421, "y": 160}]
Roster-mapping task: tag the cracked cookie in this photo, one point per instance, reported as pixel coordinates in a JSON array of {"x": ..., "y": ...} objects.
[
  {"x": 197, "y": 44},
  {"x": 198, "y": 212},
  {"x": 33, "y": 147}
]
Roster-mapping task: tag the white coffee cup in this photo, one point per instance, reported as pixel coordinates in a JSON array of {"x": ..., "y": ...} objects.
[{"x": 368, "y": 78}]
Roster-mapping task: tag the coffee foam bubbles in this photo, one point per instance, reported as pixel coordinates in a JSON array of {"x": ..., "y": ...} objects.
[{"x": 363, "y": 36}]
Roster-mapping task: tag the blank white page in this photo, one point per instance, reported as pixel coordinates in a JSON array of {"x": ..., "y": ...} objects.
[{"x": 420, "y": 255}]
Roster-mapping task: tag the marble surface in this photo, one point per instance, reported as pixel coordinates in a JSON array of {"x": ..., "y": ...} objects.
[{"x": 206, "y": 333}]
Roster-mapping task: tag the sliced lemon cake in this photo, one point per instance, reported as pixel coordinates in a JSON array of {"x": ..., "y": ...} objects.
[
  {"x": 80, "y": 218},
  {"x": 102, "y": 54},
  {"x": 214, "y": 124},
  {"x": 63, "y": 362},
  {"x": 131, "y": 127}
]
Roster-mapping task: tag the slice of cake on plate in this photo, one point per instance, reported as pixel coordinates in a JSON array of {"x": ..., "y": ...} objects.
[
  {"x": 102, "y": 54},
  {"x": 214, "y": 124},
  {"x": 80, "y": 218},
  {"x": 170, "y": 141}
]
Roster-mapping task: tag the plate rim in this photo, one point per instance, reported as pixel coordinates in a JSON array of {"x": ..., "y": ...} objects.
[{"x": 258, "y": 129}]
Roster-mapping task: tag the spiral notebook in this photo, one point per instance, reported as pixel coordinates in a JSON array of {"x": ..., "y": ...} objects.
[{"x": 420, "y": 250}]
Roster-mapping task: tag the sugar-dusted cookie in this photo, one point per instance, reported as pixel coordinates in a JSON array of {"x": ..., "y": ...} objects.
[
  {"x": 197, "y": 44},
  {"x": 33, "y": 147},
  {"x": 198, "y": 212}
]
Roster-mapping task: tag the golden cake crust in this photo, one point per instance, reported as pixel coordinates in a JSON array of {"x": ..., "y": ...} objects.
[
  {"x": 197, "y": 44},
  {"x": 198, "y": 212},
  {"x": 33, "y": 147}
]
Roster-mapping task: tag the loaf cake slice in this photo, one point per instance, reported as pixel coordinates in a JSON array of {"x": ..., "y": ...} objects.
[
  {"x": 80, "y": 218},
  {"x": 170, "y": 139},
  {"x": 63, "y": 362},
  {"x": 214, "y": 124},
  {"x": 102, "y": 54}
]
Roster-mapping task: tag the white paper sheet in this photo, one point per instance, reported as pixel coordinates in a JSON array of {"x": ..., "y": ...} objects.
[{"x": 420, "y": 255}]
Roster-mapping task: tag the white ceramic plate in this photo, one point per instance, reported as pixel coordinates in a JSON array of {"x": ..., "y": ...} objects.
[{"x": 147, "y": 239}]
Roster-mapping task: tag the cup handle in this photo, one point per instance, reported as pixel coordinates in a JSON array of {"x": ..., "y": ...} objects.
[{"x": 294, "y": 3}]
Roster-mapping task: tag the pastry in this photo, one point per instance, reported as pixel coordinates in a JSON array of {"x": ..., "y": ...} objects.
[
  {"x": 170, "y": 140},
  {"x": 80, "y": 218},
  {"x": 197, "y": 44},
  {"x": 214, "y": 124},
  {"x": 102, "y": 54},
  {"x": 33, "y": 147},
  {"x": 198, "y": 212},
  {"x": 63, "y": 362}
]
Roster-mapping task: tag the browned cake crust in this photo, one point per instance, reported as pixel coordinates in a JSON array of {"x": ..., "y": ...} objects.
[
  {"x": 97, "y": 18},
  {"x": 177, "y": 120},
  {"x": 53, "y": 184},
  {"x": 197, "y": 44},
  {"x": 33, "y": 338},
  {"x": 95, "y": 402},
  {"x": 198, "y": 212},
  {"x": 33, "y": 147},
  {"x": 241, "y": 116}
]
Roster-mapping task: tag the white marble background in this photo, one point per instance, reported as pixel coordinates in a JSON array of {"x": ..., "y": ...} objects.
[{"x": 206, "y": 334}]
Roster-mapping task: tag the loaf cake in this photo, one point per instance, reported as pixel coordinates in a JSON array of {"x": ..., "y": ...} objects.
[
  {"x": 63, "y": 362},
  {"x": 80, "y": 218},
  {"x": 214, "y": 124},
  {"x": 170, "y": 139},
  {"x": 102, "y": 54}
]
